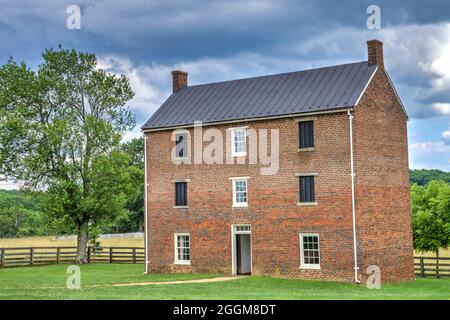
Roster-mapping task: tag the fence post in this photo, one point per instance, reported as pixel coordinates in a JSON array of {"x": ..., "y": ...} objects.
[
  {"x": 422, "y": 268},
  {"x": 134, "y": 255},
  {"x": 2, "y": 258},
  {"x": 58, "y": 251},
  {"x": 437, "y": 264},
  {"x": 89, "y": 255},
  {"x": 110, "y": 255},
  {"x": 31, "y": 256}
]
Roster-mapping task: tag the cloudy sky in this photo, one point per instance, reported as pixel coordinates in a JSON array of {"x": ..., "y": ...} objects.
[{"x": 222, "y": 40}]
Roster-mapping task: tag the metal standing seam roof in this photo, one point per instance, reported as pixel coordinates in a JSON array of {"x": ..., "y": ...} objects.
[{"x": 314, "y": 90}]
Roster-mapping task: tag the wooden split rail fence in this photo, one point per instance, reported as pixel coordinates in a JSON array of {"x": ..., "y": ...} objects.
[
  {"x": 16, "y": 257},
  {"x": 432, "y": 267}
]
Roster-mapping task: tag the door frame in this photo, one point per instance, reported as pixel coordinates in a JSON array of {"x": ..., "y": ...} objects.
[{"x": 234, "y": 232}]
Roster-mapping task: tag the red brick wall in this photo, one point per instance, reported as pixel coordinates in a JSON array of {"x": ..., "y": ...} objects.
[
  {"x": 382, "y": 182},
  {"x": 273, "y": 213}
]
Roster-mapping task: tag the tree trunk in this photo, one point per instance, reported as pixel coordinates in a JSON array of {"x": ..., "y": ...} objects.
[
  {"x": 437, "y": 263},
  {"x": 82, "y": 242}
]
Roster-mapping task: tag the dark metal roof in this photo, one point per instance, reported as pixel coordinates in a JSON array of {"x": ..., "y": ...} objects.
[{"x": 298, "y": 92}]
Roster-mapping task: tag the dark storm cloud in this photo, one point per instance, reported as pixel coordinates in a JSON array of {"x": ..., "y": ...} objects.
[{"x": 168, "y": 31}]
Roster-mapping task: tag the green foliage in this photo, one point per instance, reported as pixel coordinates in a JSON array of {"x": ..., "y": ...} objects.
[
  {"x": 135, "y": 199},
  {"x": 110, "y": 182},
  {"x": 60, "y": 129},
  {"x": 20, "y": 214},
  {"x": 135, "y": 149},
  {"x": 37, "y": 222},
  {"x": 94, "y": 240},
  {"x": 431, "y": 216},
  {"x": 423, "y": 176}
]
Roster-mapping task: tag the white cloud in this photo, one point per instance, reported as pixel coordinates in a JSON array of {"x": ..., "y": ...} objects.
[
  {"x": 425, "y": 147},
  {"x": 144, "y": 81},
  {"x": 441, "y": 62},
  {"x": 130, "y": 135},
  {"x": 430, "y": 155},
  {"x": 446, "y": 135},
  {"x": 442, "y": 108}
]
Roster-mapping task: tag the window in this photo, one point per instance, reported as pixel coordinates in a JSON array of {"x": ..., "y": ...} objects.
[
  {"x": 180, "y": 194},
  {"x": 306, "y": 186},
  {"x": 238, "y": 140},
  {"x": 182, "y": 248},
  {"x": 240, "y": 192},
  {"x": 309, "y": 251},
  {"x": 181, "y": 143},
  {"x": 306, "y": 134},
  {"x": 242, "y": 228}
]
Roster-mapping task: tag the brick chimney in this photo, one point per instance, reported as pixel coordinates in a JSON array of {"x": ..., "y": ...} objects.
[
  {"x": 179, "y": 80},
  {"x": 375, "y": 53}
]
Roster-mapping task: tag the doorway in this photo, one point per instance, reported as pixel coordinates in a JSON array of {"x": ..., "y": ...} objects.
[{"x": 242, "y": 249}]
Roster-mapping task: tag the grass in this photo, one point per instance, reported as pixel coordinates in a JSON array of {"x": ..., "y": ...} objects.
[
  {"x": 48, "y": 282},
  {"x": 50, "y": 241}
]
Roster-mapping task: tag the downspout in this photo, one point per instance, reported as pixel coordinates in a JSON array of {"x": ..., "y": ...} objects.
[
  {"x": 145, "y": 204},
  {"x": 352, "y": 174}
]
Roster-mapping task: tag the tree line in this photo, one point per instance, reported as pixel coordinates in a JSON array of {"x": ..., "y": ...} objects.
[{"x": 423, "y": 176}]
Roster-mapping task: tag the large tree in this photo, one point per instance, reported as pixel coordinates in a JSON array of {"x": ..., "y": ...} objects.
[{"x": 60, "y": 130}]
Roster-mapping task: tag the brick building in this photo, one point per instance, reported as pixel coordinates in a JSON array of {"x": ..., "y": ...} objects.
[{"x": 310, "y": 217}]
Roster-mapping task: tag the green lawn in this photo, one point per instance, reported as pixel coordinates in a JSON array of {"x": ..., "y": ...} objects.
[{"x": 48, "y": 282}]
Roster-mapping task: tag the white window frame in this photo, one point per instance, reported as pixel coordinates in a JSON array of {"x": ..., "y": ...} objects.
[
  {"x": 304, "y": 265},
  {"x": 233, "y": 181},
  {"x": 235, "y": 153},
  {"x": 177, "y": 261}
]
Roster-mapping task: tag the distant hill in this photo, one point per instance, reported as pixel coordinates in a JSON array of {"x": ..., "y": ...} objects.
[{"x": 423, "y": 176}]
